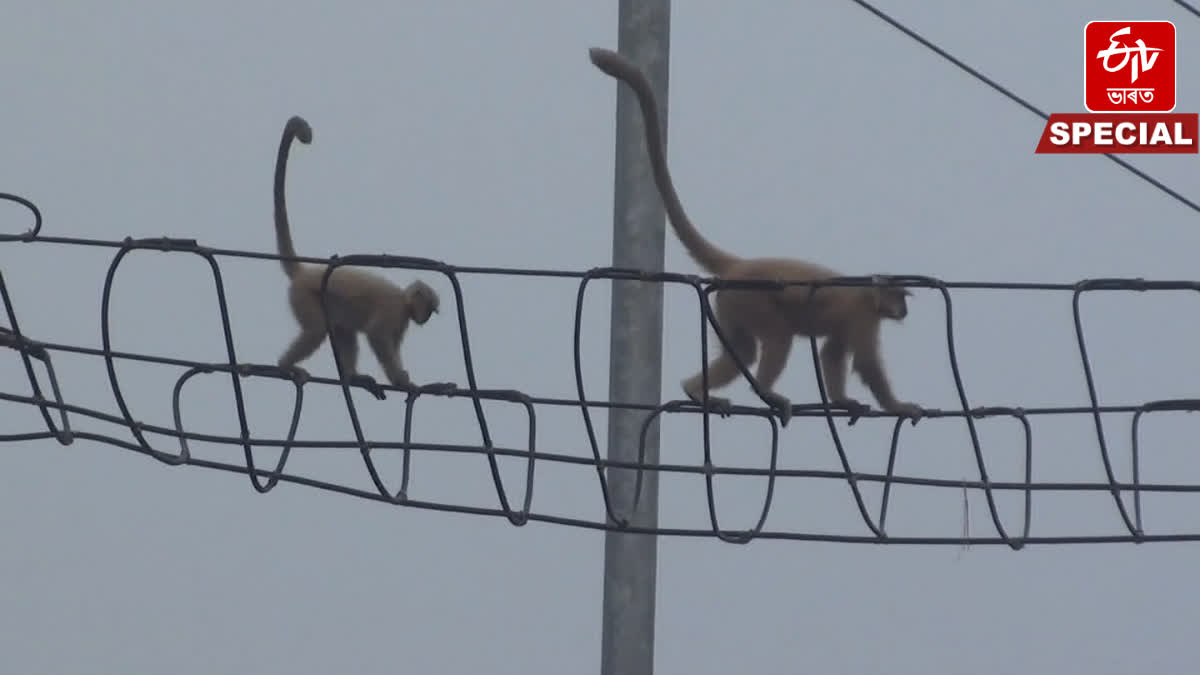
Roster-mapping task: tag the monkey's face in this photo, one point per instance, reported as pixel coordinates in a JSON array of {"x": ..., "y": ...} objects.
[
  {"x": 893, "y": 303},
  {"x": 424, "y": 302}
]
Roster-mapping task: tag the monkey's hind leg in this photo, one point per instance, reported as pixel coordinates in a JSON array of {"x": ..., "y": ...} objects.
[
  {"x": 775, "y": 352},
  {"x": 312, "y": 333},
  {"x": 301, "y": 348},
  {"x": 721, "y": 371}
]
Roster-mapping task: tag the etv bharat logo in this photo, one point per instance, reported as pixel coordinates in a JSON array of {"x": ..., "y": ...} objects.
[
  {"x": 1110, "y": 84},
  {"x": 1129, "y": 82}
]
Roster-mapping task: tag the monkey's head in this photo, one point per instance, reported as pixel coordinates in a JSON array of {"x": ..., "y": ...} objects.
[
  {"x": 298, "y": 127},
  {"x": 422, "y": 301},
  {"x": 891, "y": 302}
]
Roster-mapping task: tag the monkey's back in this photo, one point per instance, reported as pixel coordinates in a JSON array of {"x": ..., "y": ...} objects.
[
  {"x": 352, "y": 293},
  {"x": 816, "y": 314},
  {"x": 779, "y": 269}
]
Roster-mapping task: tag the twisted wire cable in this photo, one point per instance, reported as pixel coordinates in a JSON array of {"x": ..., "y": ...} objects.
[{"x": 58, "y": 426}]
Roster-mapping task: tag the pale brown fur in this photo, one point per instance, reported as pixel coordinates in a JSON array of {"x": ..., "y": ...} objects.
[
  {"x": 357, "y": 301},
  {"x": 755, "y": 321}
]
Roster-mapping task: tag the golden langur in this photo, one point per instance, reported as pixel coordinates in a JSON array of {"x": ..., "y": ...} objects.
[
  {"x": 357, "y": 301},
  {"x": 761, "y": 324}
]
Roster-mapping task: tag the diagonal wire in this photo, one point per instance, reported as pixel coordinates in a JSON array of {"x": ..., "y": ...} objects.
[
  {"x": 1021, "y": 101},
  {"x": 1188, "y": 7}
]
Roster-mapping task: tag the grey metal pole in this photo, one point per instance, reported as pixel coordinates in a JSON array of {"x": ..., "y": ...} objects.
[{"x": 635, "y": 348}]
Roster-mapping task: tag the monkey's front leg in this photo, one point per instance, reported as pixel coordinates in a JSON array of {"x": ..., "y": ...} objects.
[
  {"x": 367, "y": 382},
  {"x": 388, "y": 355},
  {"x": 848, "y": 403},
  {"x": 299, "y": 375},
  {"x": 870, "y": 366},
  {"x": 396, "y": 373},
  {"x": 781, "y": 404},
  {"x": 906, "y": 409},
  {"x": 345, "y": 350},
  {"x": 833, "y": 367}
]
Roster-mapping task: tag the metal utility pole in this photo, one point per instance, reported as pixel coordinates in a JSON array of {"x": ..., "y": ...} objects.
[{"x": 635, "y": 351}]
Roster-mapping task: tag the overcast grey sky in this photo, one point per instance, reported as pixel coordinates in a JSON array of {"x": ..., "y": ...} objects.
[{"x": 479, "y": 133}]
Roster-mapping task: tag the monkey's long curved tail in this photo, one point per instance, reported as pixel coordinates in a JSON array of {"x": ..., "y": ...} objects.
[
  {"x": 297, "y": 128},
  {"x": 704, "y": 252}
]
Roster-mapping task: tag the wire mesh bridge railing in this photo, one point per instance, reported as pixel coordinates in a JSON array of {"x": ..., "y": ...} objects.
[{"x": 60, "y": 417}]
